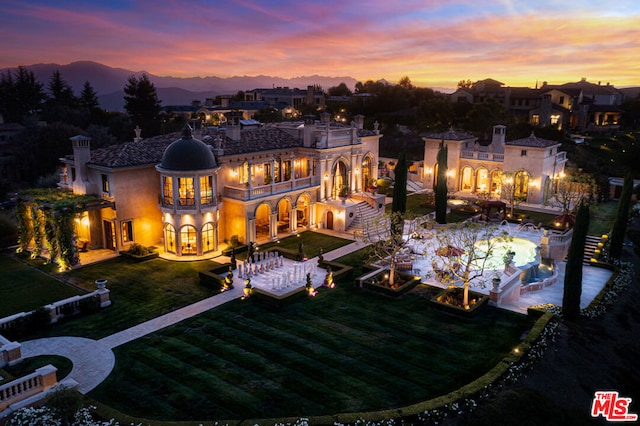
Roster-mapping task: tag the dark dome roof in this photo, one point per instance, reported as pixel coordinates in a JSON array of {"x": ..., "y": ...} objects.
[{"x": 188, "y": 154}]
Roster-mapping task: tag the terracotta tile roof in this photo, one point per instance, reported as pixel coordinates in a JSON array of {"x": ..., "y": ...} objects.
[
  {"x": 149, "y": 151},
  {"x": 533, "y": 142},
  {"x": 451, "y": 135}
]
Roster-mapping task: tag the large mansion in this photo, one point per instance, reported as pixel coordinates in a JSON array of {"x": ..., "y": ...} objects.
[
  {"x": 533, "y": 164},
  {"x": 581, "y": 105},
  {"x": 189, "y": 193}
]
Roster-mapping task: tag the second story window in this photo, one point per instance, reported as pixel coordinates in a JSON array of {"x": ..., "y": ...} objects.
[
  {"x": 185, "y": 189},
  {"x": 105, "y": 183},
  {"x": 167, "y": 190},
  {"x": 206, "y": 189},
  {"x": 523, "y": 153}
]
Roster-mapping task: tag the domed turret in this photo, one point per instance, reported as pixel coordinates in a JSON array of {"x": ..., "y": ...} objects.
[{"x": 188, "y": 154}]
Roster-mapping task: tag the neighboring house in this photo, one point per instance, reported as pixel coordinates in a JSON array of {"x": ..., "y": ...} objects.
[
  {"x": 581, "y": 105},
  {"x": 293, "y": 98},
  {"x": 475, "y": 169},
  {"x": 256, "y": 184}
]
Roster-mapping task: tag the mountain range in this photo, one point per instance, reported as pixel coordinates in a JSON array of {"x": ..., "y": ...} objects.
[{"x": 109, "y": 83}]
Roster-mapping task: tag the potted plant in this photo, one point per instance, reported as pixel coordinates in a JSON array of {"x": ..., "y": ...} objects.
[
  {"x": 372, "y": 185},
  {"x": 343, "y": 192}
]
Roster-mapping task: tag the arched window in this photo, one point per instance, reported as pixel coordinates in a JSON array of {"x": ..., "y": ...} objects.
[
  {"x": 521, "y": 184},
  {"x": 496, "y": 182},
  {"x": 170, "y": 238},
  {"x": 208, "y": 238},
  {"x": 188, "y": 240},
  {"x": 367, "y": 172},
  {"x": 466, "y": 183},
  {"x": 339, "y": 178},
  {"x": 482, "y": 180}
]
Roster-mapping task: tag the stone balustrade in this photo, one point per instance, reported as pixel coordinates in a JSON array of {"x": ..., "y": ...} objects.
[
  {"x": 10, "y": 352},
  {"x": 43, "y": 379}
]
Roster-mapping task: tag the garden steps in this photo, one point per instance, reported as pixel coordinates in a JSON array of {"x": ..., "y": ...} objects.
[
  {"x": 591, "y": 244},
  {"x": 364, "y": 214}
]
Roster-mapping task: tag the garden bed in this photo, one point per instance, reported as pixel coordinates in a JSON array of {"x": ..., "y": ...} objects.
[
  {"x": 405, "y": 282},
  {"x": 449, "y": 296}
]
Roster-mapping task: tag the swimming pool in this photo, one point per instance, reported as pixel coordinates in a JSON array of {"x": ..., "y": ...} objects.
[{"x": 525, "y": 252}]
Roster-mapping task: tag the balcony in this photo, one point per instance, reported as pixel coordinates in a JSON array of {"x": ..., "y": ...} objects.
[
  {"x": 244, "y": 194},
  {"x": 482, "y": 156},
  {"x": 561, "y": 157}
]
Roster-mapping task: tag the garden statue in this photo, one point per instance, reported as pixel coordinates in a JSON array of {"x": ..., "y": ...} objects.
[
  {"x": 328, "y": 279},
  {"x": 228, "y": 280},
  {"x": 300, "y": 255},
  {"x": 321, "y": 256},
  {"x": 309, "y": 286},
  {"x": 247, "y": 288}
]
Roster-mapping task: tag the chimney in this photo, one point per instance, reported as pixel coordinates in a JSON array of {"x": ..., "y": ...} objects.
[
  {"x": 81, "y": 156},
  {"x": 498, "y": 137},
  {"x": 310, "y": 93},
  {"x": 233, "y": 125},
  {"x": 138, "y": 131},
  {"x": 224, "y": 102},
  {"x": 309, "y": 130}
]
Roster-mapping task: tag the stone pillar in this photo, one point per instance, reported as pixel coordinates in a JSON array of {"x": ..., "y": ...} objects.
[
  {"x": 250, "y": 178},
  {"x": 293, "y": 218},
  {"x": 273, "y": 225},
  {"x": 48, "y": 376},
  {"x": 323, "y": 181},
  {"x": 251, "y": 230}
]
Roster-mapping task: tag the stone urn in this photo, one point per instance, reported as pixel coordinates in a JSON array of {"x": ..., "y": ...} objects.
[
  {"x": 496, "y": 283},
  {"x": 101, "y": 283}
]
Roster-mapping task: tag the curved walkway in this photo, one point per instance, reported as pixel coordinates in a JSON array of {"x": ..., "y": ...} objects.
[{"x": 92, "y": 360}]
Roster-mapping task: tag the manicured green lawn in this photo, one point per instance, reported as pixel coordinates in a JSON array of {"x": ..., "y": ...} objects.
[
  {"x": 311, "y": 241},
  {"x": 139, "y": 292},
  {"x": 23, "y": 288},
  {"x": 344, "y": 350},
  {"x": 602, "y": 217}
]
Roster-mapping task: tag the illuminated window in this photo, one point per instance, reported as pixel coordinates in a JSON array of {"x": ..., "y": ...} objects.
[
  {"x": 185, "y": 188},
  {"x": 167, "y": 190},
  {"x": 170, "y": 238},
  {"x": 105, "y": 183},
  {"x": 127, "y": 231},
  {"x": 555, "y": 118},
  {"x": 521, "y": 182},
  {"x": 535, "y": 119},
  {"x": 276, "y": 170},
  {"x": 208, "y": 243},
  {"x": 206, "y": 189},
  {"x": 244, "y": 175},
  {"x": 188, "y": 239},
  {"x": 286, "y": 166},
  {"x": 466, "y": 180}
]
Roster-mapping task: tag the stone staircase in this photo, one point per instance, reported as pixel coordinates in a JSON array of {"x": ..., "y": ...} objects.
[
  {"x": 590, "y": 245},
  {"x": 364, "y": 215}
]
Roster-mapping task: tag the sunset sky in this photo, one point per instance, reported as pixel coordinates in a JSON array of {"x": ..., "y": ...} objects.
[{"x": 434, "y": 42}]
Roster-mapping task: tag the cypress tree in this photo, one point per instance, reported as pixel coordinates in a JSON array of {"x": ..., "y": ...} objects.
[
  {"x": 441, "y": 184},
  {"x": 573, "y": 272},
  {"x": 400, "y": 187},
  {"x": 620, "y": 224}
]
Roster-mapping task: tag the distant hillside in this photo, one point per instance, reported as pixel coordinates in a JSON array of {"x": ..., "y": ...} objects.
[{"x": 109, "y": 82}]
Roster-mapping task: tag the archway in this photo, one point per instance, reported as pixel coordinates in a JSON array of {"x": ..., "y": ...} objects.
[
  {"x": 521, "y": 182},
  {"x": 262, "y": 221},
  {"x": 188, "y": 240},
  {"x": 209, "y": 243},
  {"x": 170, "y": 238},
  {"x": 367, "y": 171},
  {"x": 482, "y": 180},
  {"x": 302, "y": 211},
  {"x": 340, "y": 177},
  {"x": 496, "y": 182},
  {"x": 284, "y": 215},
  {"x": 466, "y": 180},
  {"x": 329, "y": 219}
]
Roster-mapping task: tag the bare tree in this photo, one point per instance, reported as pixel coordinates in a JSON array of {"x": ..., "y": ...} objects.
[
  {"x": 462, "y": 252},
  {"x": 570, "y": 190},
  {"x": 509, "y": 191},
  {"x": 386, "y": 246}
]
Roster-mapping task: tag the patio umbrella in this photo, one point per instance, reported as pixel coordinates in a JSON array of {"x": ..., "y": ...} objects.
[
  {"x": 450, "y": 251},
  {"x": 565, "y": 219}
]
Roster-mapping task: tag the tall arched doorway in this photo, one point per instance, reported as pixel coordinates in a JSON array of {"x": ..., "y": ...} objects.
[
  {"x": 302, "y": 212},
  {"x": 284, "y": 218},
  {"x": 340, "y": 177},
  {"x": 521, "y": 182},
  {"x": 188, "y": 240},
  {"x": 466, "y": 179},
  {"x": 482, "y": 180},
  {"x": 367, "y": 171},
  {"x": 170, "y": 238},
  {"x": 329, "y": 219},
  {"x": 208, "y": 238},
  {"x": 496, "y": 183},
  {"x": 262, "y": 221}
]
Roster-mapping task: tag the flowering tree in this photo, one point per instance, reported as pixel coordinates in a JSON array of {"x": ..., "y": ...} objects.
[{"x": 463, "y": 251}]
